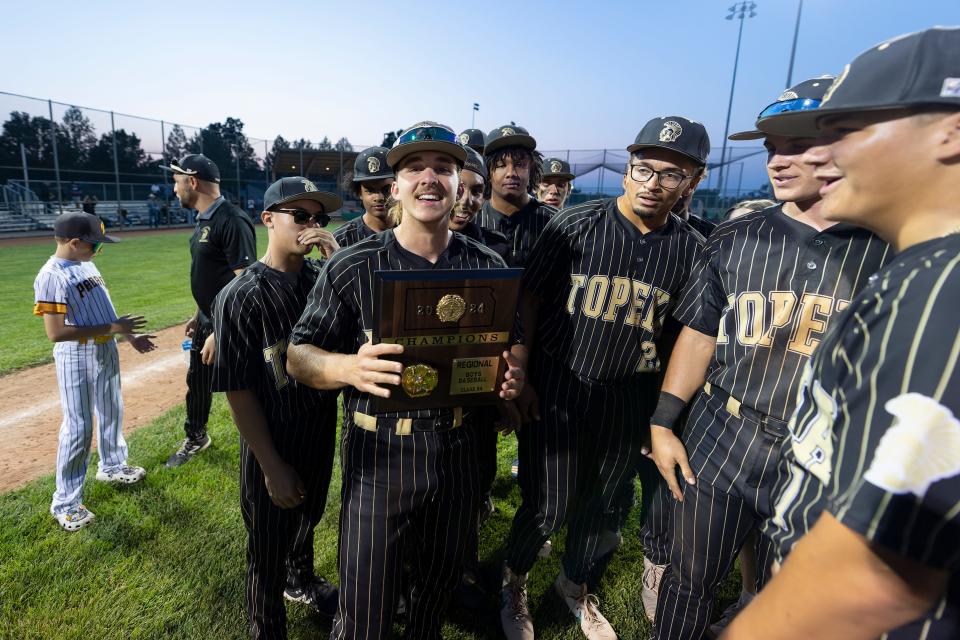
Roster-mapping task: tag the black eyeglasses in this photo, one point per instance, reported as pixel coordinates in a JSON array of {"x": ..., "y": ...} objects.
[
  {"x": 668, "y": 179},
  {"x": 428, "y": 133},
  {"x": 302, "y": 216}
]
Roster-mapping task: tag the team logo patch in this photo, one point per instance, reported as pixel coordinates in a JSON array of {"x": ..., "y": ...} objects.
[
  {"x": 788, "y": 95},
  {"x": 507, "y": 131},
  {"x": 309, "y": 186},
  {"x": 671, "y": 131},
  {"x": 951, "y": 88},
  {"x": 556, "y": 167},
  {"x": 204, "y": 234},
  {"x": 836, "y": 83},
  {"x": 373, "y": 164},
  {"x": 463, "y": 138},
  {"x": 922, "y": 446}
]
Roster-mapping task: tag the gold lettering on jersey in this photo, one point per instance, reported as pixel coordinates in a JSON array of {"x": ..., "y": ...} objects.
[
  {"x": 619, "y": 296},
  {"x": 490, "y": 337},
  {"x": 649, "y": 361},
  {"x": 204, "y": 234},
  {"x": 641, "y": 291},
  {"x": 473, "y": 375},
  {"x": 576, "y": 283},
  {"x": 758, "y": 316},
  {"x": 812, "y": 440},
  {"x": 273, "y": 355},
  {"x": 595, "y": 296}
]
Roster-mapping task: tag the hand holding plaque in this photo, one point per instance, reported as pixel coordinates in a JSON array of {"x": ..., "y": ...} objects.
[{"x": 453, "y": 325}]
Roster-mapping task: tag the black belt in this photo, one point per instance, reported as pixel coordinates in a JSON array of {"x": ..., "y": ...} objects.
[
  {"x": 768, "y": 424},
  {"x": 405, "y": 426}
]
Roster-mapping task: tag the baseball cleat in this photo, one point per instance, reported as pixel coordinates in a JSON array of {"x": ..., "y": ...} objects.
[
  {"x": 187, "y": 450},
  {"x": 514, "y": 611},
  {"x": 650, "y": 590},
  {"x": 585, "y": 608},
  {"x": 75, "y": 519},
  {"x": 122, "y": 475},
  {"x": 319, "y": 595},
  {"x": 545, "y": 550}
]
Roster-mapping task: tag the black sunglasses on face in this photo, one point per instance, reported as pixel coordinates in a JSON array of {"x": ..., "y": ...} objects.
[{"x": 303, "y": 217}]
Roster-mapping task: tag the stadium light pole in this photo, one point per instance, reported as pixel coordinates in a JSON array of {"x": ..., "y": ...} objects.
[
  {"x": 793, "y": 49},
  {"x": 740, "y": 11},
  {"x": 473, "y": 114}
]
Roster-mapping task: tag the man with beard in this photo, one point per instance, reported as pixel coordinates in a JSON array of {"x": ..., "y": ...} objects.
[
  {"x": 222, "y": 245},
  {"x": 406, "y": 479},
  {"x": 370, "y": 183},
  {"x": 764, "y": 294},
  {"x": 599, "y": 285},
  {"x": 556, "y": 183},
  {"x": 513, "y": 165},
  {"x": 866, "y": 501}
]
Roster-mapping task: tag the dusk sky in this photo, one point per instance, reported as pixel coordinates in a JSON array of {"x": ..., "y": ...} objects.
[{"x": 578, "y": 75}]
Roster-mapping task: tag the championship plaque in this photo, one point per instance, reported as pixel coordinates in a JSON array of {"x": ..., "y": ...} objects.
[{"x": 454, "y": 326}]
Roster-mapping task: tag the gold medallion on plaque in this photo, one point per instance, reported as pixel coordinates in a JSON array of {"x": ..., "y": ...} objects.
[
  {"x": 451, "y": 308},
  {"x": 419, "y": 380}
]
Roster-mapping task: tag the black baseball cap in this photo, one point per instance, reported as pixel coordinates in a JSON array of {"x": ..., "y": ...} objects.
[
  {"x": 197, "y": 165},
  {"x": 426, "y": 136},
  {"x": 81, "y": 225},
  {"x": 472, "y": 138},
  {"x": 914, "y": 70},
  {"x": 287, "y": 190},
  {"x": 509, "y": 135},
  {"x": 802, "y": 97},
  {"x": 371, "y": 164},
  {"x": 475, "y": 162},
  {"x": 685, "y": 136},
  {"x": 557, "y": 168}
]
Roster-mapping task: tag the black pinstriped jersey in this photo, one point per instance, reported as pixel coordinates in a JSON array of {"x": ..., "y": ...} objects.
[
  {"x": 339, "y": 313},
  {"x": 766, "y": 288},
  {"x": 704, "y": 226},
  {"x": 252, "y": 318},
  {"x": 488, "y": 238},
  {"x": 521, "y": 229},
  {"x": 605, "y": 288},
  {"x": 875, "y": 440},
  {"x": 352, "y": 232}
]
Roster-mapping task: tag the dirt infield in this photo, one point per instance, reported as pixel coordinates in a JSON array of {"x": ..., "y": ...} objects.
[{"x": 30, "y": 417}]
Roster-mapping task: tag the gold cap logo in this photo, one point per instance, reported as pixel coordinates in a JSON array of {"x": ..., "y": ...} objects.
[
  {"x": 373, "y": 164},
  {"x": 671, "y": 131},
  {"x": 788, "y": 95},
  {"x": 507, "y": 131},
  {"x": 463, "y": 138},
  {"x": 555, "y": 166},
  {"x": 308, "y": 185}
]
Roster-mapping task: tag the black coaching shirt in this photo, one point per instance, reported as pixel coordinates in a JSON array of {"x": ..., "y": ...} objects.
[
  {"x": 339, "y": 313},
  {"x": 522, "y": 229},
  {"x": 767, "y": 287},
  {"x": 352, "y": 232},
  {"x": 222, "y": 241},
  {"x": 605, "y": 288},
  {"x": 253, "y": 317},
  {"x": 875, "y": 440}
]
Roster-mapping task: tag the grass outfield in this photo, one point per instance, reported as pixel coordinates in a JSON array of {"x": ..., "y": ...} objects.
[
  {"x": 147, "y": 275},
  {"x": 165, "y": 558}
]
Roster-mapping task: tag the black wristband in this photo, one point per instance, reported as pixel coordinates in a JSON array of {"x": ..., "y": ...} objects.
[{"x": 669, "y": 408}]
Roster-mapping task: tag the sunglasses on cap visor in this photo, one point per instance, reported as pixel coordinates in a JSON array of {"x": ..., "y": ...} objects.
[
  {"x": 798, "y": 104},
  {"x": 428, "y": 133},
  {"x": 302, "y": 216}
]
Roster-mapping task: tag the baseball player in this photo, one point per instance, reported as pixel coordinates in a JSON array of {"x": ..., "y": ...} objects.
[
  {"x": 472, "y": 138},
  {"x": 370, "y": 182},
  {"x": 80, "y": 320},
  {"x": 682, "y": 209},
  {"x": 598, "y": 286},
  {"x": 513, "y": 167},
  {"x": 407, "y": 474},
  {"x": 870, "y": 476},
  {"x": 767, "y": 287},
  {"x": 474, "y": 179},
  {"x": 288, "y": 429},
  {"x": 222, "y": 245},
  {"x": 556, "y": 182}
]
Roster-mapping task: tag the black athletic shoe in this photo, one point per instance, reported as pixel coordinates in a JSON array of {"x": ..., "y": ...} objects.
[
  {"x": 319, "y": 595},
  {"x": 470, "y": 594},
  {"x": 187, "y": 450}
]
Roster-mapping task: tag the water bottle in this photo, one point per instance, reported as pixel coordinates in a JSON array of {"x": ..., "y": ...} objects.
[{"x": 186, "y": 345}]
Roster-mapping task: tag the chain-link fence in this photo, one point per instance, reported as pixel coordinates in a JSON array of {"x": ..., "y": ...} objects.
[{"x": 56, "y": 157}]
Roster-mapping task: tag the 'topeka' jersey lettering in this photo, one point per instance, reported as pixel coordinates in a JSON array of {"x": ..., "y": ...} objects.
[
  {"x": 605, "y": 288},
  {"x": 767, "y": 287},
  {"x": 875, "y": 439},
  {"x": 75, "y": 289},
  {"x": 339, "y": 313}
]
